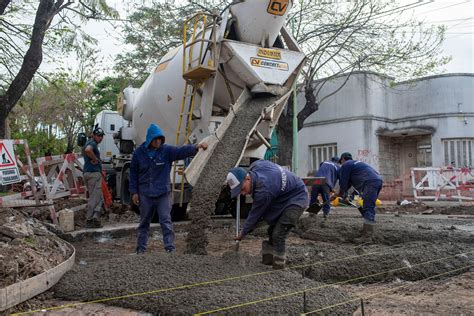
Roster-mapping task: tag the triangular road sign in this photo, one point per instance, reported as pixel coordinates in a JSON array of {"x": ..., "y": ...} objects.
[{"x": 6, "y": 159}]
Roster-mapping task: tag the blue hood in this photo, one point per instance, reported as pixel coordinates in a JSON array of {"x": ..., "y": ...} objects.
[{"x": 153, "y": 132}]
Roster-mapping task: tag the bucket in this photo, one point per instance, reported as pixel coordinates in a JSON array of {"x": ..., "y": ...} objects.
[{"x": 66, "y": 220}]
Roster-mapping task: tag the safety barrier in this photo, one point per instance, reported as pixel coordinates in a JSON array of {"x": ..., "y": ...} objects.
[
  {"x": 445, "y": 183},
  {"x": 64, "y": 173},
  {"x": 20, "y": 199},
  {"x": 59, "y": 176}
]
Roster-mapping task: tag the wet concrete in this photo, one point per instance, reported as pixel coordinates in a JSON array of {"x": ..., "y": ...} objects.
[
  {"x": 389, "y": 229},
  {"x": 209, "y": 185},
  {"x": 130, "y": 274}
]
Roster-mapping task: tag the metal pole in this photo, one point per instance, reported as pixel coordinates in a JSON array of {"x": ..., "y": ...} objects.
[
  {"x": 295, "y": 120},
  {"x": 237, "y": 217}
]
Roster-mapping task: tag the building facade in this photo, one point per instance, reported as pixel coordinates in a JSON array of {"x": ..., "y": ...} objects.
[{"x": 392, "y": 126}]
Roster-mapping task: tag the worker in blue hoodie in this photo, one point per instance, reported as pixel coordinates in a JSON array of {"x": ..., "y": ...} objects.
[
  {"x": 279, "y": 197},
  {"x": 368, "y": 183},
  {"x": 150, "y": 183},
  {"x": 330, "y": 171}
]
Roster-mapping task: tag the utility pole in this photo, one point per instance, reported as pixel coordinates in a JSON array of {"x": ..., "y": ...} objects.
[{"x": 294, "y": 162}]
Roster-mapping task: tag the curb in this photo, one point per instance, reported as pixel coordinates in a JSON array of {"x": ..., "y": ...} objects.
[{"x": 21, "y": 291}]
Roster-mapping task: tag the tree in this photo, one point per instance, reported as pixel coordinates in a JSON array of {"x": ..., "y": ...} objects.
[
  {"x": 338, "y": 37},
  {"x": 55, "y": 108},
  {"x": 22, "y": 44},
  {"x": 152, "y": 31},
  {"x": 342, "y": 37}
]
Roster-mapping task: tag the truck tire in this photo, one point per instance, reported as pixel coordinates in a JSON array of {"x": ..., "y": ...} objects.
[
  {"x": 244, "y": 208},
  {"x": 178, "y": 213}
]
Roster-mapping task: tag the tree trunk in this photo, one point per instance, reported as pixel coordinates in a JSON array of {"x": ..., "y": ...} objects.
[
  {"x": 285, "y": 135},
  {"x": 3, "y": 5},
  {"x": 47, "y": 9},
  {"x": 310, "y": 106},
  {"x": 285, "y": 125}
]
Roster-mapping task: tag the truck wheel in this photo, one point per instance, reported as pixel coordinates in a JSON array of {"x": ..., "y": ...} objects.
[
  {"x": 178, "y": 213},
  {"x": 244, "y": 208}
]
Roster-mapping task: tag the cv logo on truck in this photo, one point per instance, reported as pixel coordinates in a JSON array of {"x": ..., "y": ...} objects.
[
  {"x": 265, "y": 63},
  {"x": 277, "y": 7}
]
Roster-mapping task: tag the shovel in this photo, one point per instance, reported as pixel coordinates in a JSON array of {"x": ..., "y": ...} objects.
[
  {"x": 316, "y": 207},
  {"x": 237, "y": 224}
]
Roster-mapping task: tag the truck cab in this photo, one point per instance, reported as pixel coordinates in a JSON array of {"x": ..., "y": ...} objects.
[{"x": 110, "y": 122}]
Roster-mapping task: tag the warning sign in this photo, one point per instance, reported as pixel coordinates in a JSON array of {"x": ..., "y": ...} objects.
[{"x": 8, "y": 168}]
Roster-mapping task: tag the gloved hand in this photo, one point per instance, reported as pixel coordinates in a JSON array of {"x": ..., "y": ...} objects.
[{"x": 239, "y": 237}]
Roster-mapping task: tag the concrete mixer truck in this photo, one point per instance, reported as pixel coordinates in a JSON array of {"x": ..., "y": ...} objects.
[{"x": 228, "y": 64}]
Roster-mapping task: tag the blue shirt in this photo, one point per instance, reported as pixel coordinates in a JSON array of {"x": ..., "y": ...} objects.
[
  {"x": 150, "y": 168},
  {"x": 330, "y": 171},
  {"x": 355, "y": 173},
  {"x": 273, "y": 190},
  {"x": 88, "y": 166}
]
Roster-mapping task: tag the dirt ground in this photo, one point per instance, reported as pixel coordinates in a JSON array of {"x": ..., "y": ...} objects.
[{"x": 396, "y": 275}]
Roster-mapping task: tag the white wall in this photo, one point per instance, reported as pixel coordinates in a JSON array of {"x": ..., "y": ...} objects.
[{"x": 366, "y": 103}]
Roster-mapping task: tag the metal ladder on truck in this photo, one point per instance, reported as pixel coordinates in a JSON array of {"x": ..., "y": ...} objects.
[{"x": 199, "y": 65}]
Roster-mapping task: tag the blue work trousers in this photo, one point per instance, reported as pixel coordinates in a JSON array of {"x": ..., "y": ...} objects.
[
  {"x": 324, "y": 190},
  {"x": 370, "y": 193},
  {"x": 278, "y": 233},
  {"x": 148, "y": 206}
]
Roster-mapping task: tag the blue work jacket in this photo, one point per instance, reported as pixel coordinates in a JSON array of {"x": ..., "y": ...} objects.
[
  {"x": 330, "y": 171},
  {"x": 150, "y": 169},
  {"x": 355, "y": 173},
  {"x": 273, "y": 190}
]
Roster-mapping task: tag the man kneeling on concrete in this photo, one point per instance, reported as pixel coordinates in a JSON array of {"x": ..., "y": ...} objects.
[{"x": 279, "y": 197}]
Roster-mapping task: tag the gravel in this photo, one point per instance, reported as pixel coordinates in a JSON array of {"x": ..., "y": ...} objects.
[
  {"x": 209, "y": 185},
  {"x": 130, "y": 274}
]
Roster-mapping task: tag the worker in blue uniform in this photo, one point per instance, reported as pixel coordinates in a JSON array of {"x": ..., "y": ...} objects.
[
  {"x": 330, "y": 171},
  {"x": 368, "y": 182},
  {"x": 279, "y": 197},
  {"x": 150, "y": 183}
]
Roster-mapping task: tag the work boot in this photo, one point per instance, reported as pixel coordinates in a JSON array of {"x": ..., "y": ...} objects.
[
  {"x": 367, "y": 235},
  {"x": 140, "y": 251},
  {"x": 279, "y": 262},
  {"x": 267, "y": 253},
  {"x": 90, "y": 223},
  {"x": 96, "y": 223}
]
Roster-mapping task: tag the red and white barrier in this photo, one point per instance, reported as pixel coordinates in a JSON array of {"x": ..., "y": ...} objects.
[
  {"x": 60, "y": 175},
  {"x": 445, "y": 183}
]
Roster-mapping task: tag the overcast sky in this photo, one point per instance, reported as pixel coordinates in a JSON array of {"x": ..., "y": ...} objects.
[{"x": 457, "y": 15}]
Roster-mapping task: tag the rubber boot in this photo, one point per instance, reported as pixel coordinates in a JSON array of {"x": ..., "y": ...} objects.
[
  {"x": 267, "y": 253},
  {"x": 367, "y": 235},
  {"x": 279, "y": 262}
]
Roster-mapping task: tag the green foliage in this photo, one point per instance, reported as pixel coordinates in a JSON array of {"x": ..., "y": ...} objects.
[
  {"x": 106, "y": 92},
  {"x": 153, "y": 30},
  {"x": 31, "y": 241},
  {"x": 40, "y": 143}
]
